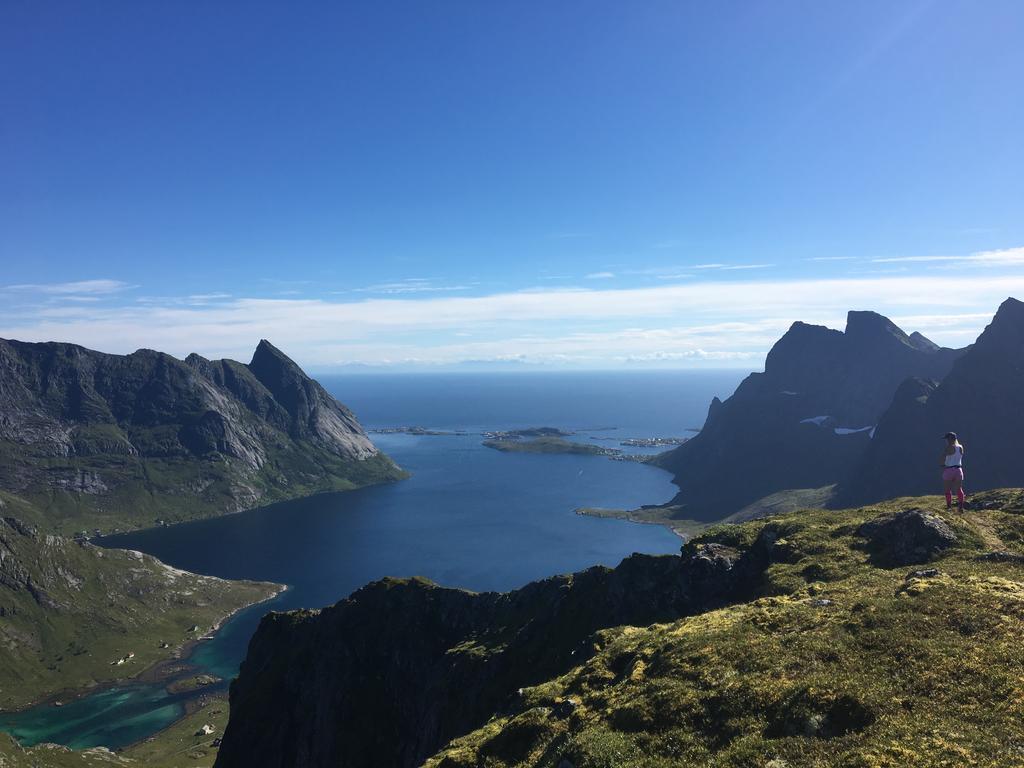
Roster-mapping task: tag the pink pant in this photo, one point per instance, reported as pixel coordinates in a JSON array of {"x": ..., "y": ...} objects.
[{"x": 952, "y": 475}]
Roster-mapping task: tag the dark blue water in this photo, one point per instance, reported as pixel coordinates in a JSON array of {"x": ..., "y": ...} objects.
[{"x": 469, "y": 516}]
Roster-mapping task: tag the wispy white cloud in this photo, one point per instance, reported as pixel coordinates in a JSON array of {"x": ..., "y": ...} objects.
[
  {"x": 202, "y": 298},
  {"x": 688, "y": 321},
  {"x": 961, "y": 319},
  {"x": 77, "y": 287},
  {"x": 728, "y": 320},
  {"x": 831, "y": 258},
  {"x": 411, "y": 285},
  {"x": 908, "y": 259},
  {"x": 600, "y": 275},
  {"x": 689, "y": 354},
  {"x": 729, "y": 267},
  {"x": 893, "y": 270},
  {"x": 1005, "y": 257}
]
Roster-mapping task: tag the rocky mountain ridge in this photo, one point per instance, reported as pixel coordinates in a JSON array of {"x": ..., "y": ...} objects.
[
  {"x": 981, "y": 398},
  {"x": 806, "y": 420},
  {"x": 388, "y": 675},
  {"x": 100, "y": 440}
]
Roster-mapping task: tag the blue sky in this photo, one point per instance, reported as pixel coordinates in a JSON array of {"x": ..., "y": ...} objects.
[{"x": 569, "y": 184}]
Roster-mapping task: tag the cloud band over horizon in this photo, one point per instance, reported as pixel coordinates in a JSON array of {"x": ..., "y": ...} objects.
[{"x": 712, "y": 323}]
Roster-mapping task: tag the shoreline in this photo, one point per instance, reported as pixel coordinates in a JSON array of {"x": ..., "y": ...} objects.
[
  {"x": 685, "y": 528},
  {"x": 154, "y": 673},
  {"x": 177, "y": 663},
  {"x": 97, "y": 540}
]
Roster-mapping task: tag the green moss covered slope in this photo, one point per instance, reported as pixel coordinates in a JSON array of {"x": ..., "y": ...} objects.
[
  {"x": 849, "y": 656},
  {"x": 888, "y": 635},
  {"x": 73, "y": 615}
]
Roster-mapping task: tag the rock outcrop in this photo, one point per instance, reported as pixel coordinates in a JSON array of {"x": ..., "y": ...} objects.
[
  {"x": 109, "y": 438},
  {"x": 806, "y": 421},
  {"x": 910, "y": 537}
]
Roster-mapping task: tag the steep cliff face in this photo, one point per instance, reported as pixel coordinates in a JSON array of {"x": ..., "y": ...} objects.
[
  {"x": 99, "y": 439},
  {"x": 805, "y": 422},
  {"x": 814, "y": 639},
  {"x": 852, "y": 376},
  {"x": 981, "y": 398},
  {"x": 389, "y": 675}
]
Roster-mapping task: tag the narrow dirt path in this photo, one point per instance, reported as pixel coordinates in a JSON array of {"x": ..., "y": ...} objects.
[{"x": 983, "y": 524}]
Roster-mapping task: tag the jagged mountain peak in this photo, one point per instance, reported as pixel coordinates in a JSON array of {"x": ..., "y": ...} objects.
[
  {"x": 1011, "y": 303},
  {"x": 279, "y": 374},
  {"x": 800, "y": 328},
  {"x": 113, "y": 417},
  {"x": 861, "y": 324},
  {"x": 919, "y": 341},
  {"x": 1010, "y": 311},
  {"x": 1004, "y": 336},
  {"x": 768, "y": 436},
  {"x": 268, "y": 357},
  {"x": 266, "y": 348}
]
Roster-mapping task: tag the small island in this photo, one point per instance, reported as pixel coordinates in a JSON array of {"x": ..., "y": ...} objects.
[
  {"x": 652, "y": 442},
  {"x": 419, "y": 431},
  {"x": 551, "y": 440},
  {"x": 516, "y": 434},
  {"x": 194, "y": 683},
  {"x": 549, "y": 445}
]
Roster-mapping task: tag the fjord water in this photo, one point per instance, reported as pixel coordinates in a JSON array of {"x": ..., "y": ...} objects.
[{"x": 467, "y": 517}]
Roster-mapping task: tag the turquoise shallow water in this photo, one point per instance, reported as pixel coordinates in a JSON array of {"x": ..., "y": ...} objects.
[{"x": 469, "y": 516}]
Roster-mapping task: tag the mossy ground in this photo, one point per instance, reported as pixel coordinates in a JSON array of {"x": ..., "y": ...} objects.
[{"x": 838, "y": 663}]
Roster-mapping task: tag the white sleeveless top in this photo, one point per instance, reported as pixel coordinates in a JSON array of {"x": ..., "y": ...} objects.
[{"x": 956, "y": 458}]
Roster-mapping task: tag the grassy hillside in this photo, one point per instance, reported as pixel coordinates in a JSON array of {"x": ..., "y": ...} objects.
[
  {"x": 71, "y": 610},
  {"x": 845, "y": 659}
]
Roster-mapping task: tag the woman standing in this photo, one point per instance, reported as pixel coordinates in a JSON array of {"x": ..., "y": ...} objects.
[{"x": 953, "y": 470}]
